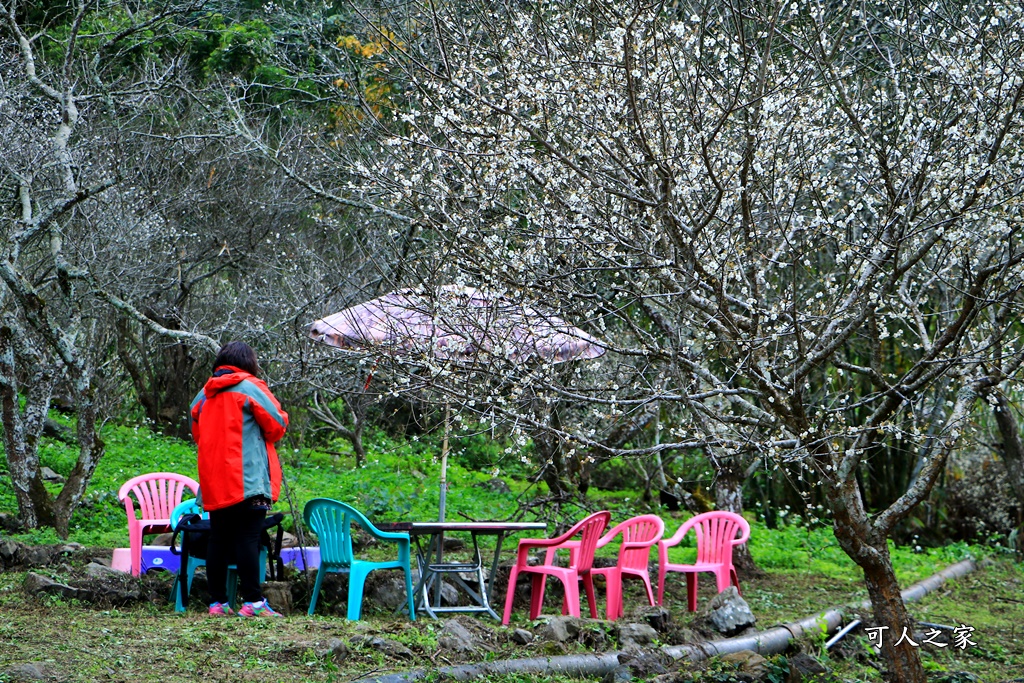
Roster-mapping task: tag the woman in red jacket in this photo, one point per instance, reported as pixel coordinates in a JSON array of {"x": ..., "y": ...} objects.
[{"x": 235, "y": 422}]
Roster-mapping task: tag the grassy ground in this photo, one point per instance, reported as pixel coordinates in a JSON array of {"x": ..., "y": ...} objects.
[
  {"x": 150, "y": 643},
  {"x": 806, "y": 573}
]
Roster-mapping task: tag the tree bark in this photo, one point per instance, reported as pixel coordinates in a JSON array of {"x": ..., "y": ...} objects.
[
  {"x": 23, "y": 427},
  {"x": 1013, "y": 449},
  {"x": 868, "y": 548},
  {"x": 729, "y": 497}
]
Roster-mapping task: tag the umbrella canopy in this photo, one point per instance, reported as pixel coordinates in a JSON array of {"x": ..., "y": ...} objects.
[{"x": 455, "y": 323}]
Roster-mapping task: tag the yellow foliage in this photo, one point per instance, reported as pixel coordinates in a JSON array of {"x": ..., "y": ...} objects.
[
  {"x": 376, "y": 91},
  {"x": 360, "y": 49}
]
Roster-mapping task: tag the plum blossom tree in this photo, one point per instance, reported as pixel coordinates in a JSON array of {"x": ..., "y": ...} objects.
[{"x": 796, "y": 226}]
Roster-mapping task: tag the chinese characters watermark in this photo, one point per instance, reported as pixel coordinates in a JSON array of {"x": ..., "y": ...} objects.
[{"x": 959, "y": 637}]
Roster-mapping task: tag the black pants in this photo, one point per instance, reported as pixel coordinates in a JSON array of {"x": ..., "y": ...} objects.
[{"x": 235, "y": 539}]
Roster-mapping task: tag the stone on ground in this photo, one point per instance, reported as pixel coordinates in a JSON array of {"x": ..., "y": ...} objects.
[
  {"x": 521, "y": 636},
  {"x": 560, "y": 629},
  {"x": 748, "y": 662},
  {"x": 279, "y": 595},
  {"x": 728, "y": 613},
  {"x": 805, "y": 668},
  {"x": 620, "y": 674},
  {"x": 389, "y": 648},
  {"x": 635, "y": 635}
]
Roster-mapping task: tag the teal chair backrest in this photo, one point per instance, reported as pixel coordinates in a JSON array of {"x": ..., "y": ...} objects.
[
  {"x": 186, "y": 507},
  {"x": 331, "y": 521}
]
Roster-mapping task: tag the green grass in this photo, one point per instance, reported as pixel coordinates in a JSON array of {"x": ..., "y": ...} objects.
[
  {"x": 806, "y": 573},
  {"x": 400, "y": 482}
]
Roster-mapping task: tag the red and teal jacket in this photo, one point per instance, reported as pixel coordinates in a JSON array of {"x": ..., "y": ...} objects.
[{"x": 235, "y": 422}]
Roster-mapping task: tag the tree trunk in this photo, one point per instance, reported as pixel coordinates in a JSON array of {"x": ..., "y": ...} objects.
[
  {"x": 729, "y": 497},
  {"x": 869, "y": 549},
  {"x": 22, "y": 429},
  {"x": 1013, "y": 449},
  {"x": 555, "y": 470}
]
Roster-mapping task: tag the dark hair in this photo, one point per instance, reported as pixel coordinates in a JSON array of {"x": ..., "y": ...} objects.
[{"x": 238, "y": 354}]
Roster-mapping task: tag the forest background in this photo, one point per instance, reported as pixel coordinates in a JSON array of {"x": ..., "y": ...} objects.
[{"x": 794, "y": 227}]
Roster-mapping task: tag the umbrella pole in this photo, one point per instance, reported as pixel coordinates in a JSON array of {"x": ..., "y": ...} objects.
[
  {"x": 444, "y": 494},
  {"x": 444, "y": 459}
]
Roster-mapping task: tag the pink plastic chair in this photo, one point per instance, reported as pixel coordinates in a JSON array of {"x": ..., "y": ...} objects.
[
  {"x": 639, "y": 534},
  {"x": 716, "y": 537},
  {"x": 157, "y": 494},
  {"x": 589, "y": 530}
]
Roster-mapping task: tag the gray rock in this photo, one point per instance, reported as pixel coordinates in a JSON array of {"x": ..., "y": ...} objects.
[
  {"x": 522, "y": 637},
  {"x": 656, "y": 616},
  {"x": 279, "y": 595},
  {"x": 389, "y": 648},
  {"x": 49, "y": 475},
  {"x": 389, "y": 593},
  {"x": 289, "y": 540},
  {"x": 337, "y": 650},
  {"x": 55, "y": 430},
  {"x": 803, "y": 667},
  {"x": 161, "y": 539},
  {"x": 9, "y": 551},
  {"x": 635, "y": 635},
  {"x": 37, "y": 556},
  {"x": 495, "y": 484},
  {"x": 35, "y": 671},
  {"x": 449, "y": 594},
  {"x": 451, "y": 544},
  {"x": 9, "y": 523},
  {"x": 456, "y": 637},
  {"x": 95, "y": 570},
  {"x": 647, "y": 664},
  {"x": 619, "y": 674},
  {"x": 561, "y": 629},
  {"x": 748, "y": 662},
  {"x": 35, "y": 584},
  {"x": 728, "y": 613}
]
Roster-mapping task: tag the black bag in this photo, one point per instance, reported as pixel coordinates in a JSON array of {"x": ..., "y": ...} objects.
[{"x": 195, "y": 537}]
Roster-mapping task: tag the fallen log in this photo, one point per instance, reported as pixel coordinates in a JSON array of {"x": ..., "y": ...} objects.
[{"x": 768, "y": 642}]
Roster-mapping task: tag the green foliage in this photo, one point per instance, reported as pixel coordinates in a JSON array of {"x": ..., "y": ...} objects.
[{"x": 240, "y": 48}]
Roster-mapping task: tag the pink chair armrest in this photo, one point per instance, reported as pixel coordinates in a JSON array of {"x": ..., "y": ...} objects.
[
  {"x": 640, "y": 545},
  {"x": 744, "y": 537},
  {"x": 677, "y": 537}
]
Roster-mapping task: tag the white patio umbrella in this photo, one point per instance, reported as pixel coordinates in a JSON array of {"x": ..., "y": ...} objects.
[{"x": 459, "y": 324}]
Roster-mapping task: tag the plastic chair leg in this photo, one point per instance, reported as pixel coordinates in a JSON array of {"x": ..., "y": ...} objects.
[
  {"x": 536, "y": 596},
  {"x": 189, "y": 571},
  {"x": 135, "y": 545},
  {"x": 661, "y": 583},
  {"x": 356, "y": 580},
  {"x": 735, "y": 579},
  {"x": 646, "y": 578},
  {"x": 722, "y": 579},
  {"x": 691, "y": 591},
  {"x": 549, "y": 558},
  {"x": 408, "y": 592},
  {"x": 572, "y": 594},
  {"x": 316, "y": 590},
  {"x": 588, "y": 588},
  {"x": 613, "y": 595},
  {"x": 232, "y": 586},
  {"x": 510, "y": 595}
]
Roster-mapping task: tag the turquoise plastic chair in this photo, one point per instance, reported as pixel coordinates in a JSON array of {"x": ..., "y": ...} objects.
[
  {"x": 332, "y": 523},
  {"x": 191, "y": 507}
]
